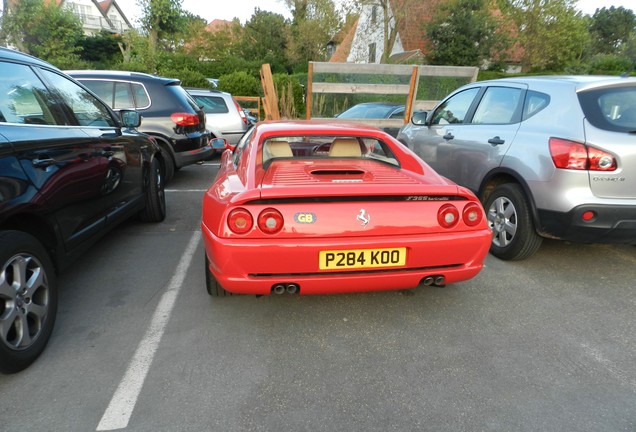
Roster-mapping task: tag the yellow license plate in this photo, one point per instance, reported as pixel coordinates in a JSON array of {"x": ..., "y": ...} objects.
[{"x": 362, "y": 258}]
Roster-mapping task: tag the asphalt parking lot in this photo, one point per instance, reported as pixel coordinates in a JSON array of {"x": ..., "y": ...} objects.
[{"x": 547, "y": 344}]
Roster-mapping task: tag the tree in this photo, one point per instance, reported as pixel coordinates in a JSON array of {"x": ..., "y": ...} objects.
[
  {"x": 264, "y": 39},
  {"x": 611, "y": 28},
  {"x": 214, "y": 44},
  {"x": 314, "y": 22},
  {"x": 44, "y": 30},
  {"x": 164, "y": 21},
  {"x": 464, "y": 33},
  {"x": 553, "y": 33},
  {"x": 102, "y": 49}
]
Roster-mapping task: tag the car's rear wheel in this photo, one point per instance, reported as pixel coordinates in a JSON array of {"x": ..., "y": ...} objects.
[
  {"x": 28, "y": 300},
  {"x": 213, "y": 287},
  {"x": 155, "y": 210},
  {"x": 169, "y": 167},
  {"x": 513, "y": 234}
]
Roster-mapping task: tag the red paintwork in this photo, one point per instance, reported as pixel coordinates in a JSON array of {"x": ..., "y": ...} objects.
[{"x": 254, "y": 262}]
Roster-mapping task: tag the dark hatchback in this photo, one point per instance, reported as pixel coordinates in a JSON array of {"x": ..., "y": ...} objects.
[
  {"x": 70, "y": 170},
  {"x": 170, "y": 114}
]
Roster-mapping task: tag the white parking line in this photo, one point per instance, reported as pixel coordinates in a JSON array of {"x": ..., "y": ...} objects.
[{"x": 121, "y": 406}]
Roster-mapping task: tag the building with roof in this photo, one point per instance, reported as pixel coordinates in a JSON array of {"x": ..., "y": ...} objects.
[
  {"x": 363, "y": 41},
  {"x": 95, "y": 15}
]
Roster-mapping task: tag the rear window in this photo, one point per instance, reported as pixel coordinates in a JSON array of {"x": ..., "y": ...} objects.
[
  {"x": 184, "y": 97},
  {"x": 327, "y": 147},
  {"x": 611, "y": 108},
  {"x": 212, "y": 104}
]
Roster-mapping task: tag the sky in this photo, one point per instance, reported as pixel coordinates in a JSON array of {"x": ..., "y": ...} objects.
[{"x": 243, "y": 9}]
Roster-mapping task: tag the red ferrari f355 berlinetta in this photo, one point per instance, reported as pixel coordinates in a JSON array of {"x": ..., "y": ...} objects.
[{"x": 314, "y": 207}]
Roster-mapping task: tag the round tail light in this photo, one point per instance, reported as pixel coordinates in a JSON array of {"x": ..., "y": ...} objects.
[
  {"x": 240, "y": 221},
  {"x": 447, "y": 216},
  {"x": 472, "y": 214},
  {"x": 270, "y": 221}
]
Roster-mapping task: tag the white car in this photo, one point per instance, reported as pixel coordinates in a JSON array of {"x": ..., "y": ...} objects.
[{"x": 222, "y": 113}]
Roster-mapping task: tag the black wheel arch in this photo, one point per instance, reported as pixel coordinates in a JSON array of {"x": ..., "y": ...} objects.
[
  {"x": 40, "y": 228},
  {"x": 501, "y": 176},
  {"x": 164, "y": 144}
]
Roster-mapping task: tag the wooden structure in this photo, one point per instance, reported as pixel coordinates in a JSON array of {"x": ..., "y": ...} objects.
[
  {"x": 270, "y": 99},
  {"x": 254, "y": 104},
  {"x": 409, "y": 91}
]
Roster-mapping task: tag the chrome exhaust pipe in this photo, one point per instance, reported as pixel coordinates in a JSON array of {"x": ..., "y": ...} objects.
[
  {"x": 439, "y": 280},
  {"x": 291, "y": 288},
  {"x": 278, "y": 289},
  {"x": 428, "y": 280}
]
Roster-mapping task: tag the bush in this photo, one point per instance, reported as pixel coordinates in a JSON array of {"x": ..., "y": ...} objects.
[
  {"x": 240, "y": 84},
  {"x": 609, "y": 65},
  {"x": 189, "y": 78},
  {"x": 291, "y": 96}
]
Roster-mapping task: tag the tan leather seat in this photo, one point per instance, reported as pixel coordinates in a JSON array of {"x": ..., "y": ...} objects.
[
  {"x": 345, "y": 147},
  {"x": 277, "y": 149}
]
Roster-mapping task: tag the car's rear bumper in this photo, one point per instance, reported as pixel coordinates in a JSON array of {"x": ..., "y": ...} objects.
[
  {"x": 611, "y": 224},
  {"x": 193, "y": 156},
  {"x": 250, "y": 267}
]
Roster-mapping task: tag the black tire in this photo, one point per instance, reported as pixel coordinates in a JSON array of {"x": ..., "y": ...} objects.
[
  {"x": 155, "y": 209},
  {"x": 213, "y": 287},
  {"x": 514, "y": 236},
  {"x": 27, "y": 307},
  {"x": 168, "y": 163}
]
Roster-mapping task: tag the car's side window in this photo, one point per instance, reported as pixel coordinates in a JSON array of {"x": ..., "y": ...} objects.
[
  {"x": 534, "y": 103},
  {"x": 142, "y": 100},
  {"x": 123, "y": 96},
  {"x": 499, "y": 105},
  {"x": 454, "y": 109},
  {"x": 103, "y": 89},
  {"x": 88, "y": 110},
  {"x": 24, "y": 99},
  {"x": 236, "y": 157}
]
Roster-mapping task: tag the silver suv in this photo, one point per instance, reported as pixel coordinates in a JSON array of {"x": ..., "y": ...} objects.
[
  {"x": 549, "y": 157},
  {"x": 222, "y": 112}
]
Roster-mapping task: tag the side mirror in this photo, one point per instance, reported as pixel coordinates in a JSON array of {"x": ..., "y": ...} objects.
[
  {"x": 130, "y": 119},
  {"x": 220, "y": 144},
  {"x": 419, "y": 118}
]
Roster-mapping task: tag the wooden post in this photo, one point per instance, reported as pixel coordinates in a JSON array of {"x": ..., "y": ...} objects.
[
  {"x": 270, "y": 100},
  {"x": 408, "y": 112},
  {"x": 309, "y": 90}
]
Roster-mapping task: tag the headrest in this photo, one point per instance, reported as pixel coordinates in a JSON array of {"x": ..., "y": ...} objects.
[
  {"x": 277, "y": 149},
  {"x": 345, "y": 147}
]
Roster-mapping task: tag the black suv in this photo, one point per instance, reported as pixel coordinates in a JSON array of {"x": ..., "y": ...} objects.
[
  {"x": 70, "y": 169},
  {"x": 170, "y": 114}
]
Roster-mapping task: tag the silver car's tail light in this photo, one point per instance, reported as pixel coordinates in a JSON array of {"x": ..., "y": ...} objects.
[
  {"x": 574, "y": 155},
  {"x": 240, "y": 111}
]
